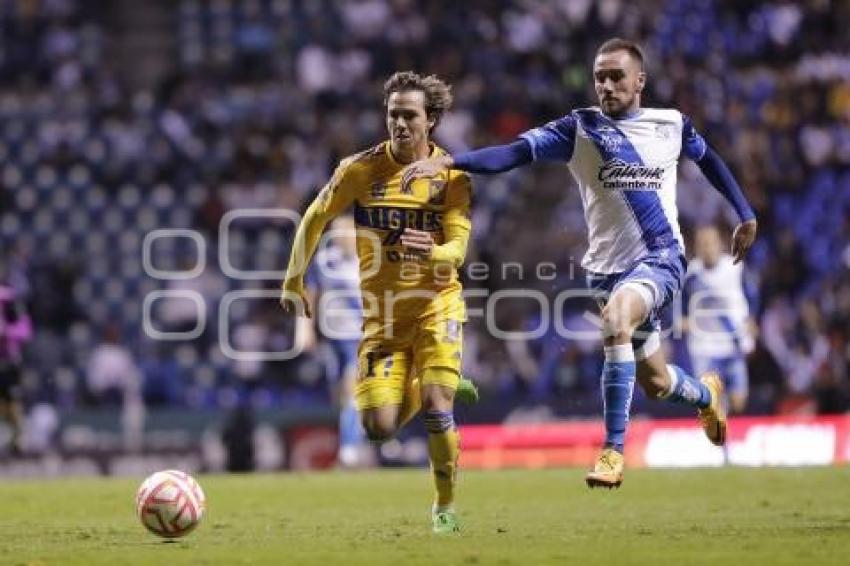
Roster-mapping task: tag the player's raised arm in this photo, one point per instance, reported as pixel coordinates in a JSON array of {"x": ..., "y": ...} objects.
[
  {"x": 334, "y": 198},
  {"x": 487, "y": 160},
  {"x": 718, "y": 174}
]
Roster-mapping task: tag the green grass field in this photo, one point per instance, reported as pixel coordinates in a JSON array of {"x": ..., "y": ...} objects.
[{"x": 761, "y": 516}]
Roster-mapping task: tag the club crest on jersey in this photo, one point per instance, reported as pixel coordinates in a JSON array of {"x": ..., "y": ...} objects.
[
  {"x": 436, "y": 191},
  {"x": 610, "y": 138},
  {"x": 664, "y": 131}
]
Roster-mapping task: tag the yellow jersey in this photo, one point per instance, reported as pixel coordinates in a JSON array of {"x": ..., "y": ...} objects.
[{"x": 395, "y": 285}]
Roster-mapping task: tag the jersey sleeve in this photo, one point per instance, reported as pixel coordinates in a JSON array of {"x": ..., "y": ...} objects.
[
  {"x": 715, "y": 170},
  {"x": 456, "y": 221},
  {"x": 336, "y": 196},
  {"x": 339, "y": 192},
  {"x": 554, "y": 141},
  {"x": 495, "y": 159},
  {"x": 693, "y": 144}
]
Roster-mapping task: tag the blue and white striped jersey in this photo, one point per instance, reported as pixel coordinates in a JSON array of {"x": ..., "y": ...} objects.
[
  {"x": 626, "y": 172},
  {"x": 336, "y": 277},
  {"x": 717, "y": 308}
]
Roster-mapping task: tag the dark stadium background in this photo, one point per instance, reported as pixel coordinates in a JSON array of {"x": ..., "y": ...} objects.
[{"x": 123, "y": 117}]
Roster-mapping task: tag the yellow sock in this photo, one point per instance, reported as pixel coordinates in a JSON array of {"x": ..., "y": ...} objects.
[
  {"x": 443, "y": 450},
  {"x": 411, "y": 403}
]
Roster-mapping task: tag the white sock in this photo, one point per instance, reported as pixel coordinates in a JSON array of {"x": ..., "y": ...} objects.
[
  {"x": 674, "y": 381},
  {"x": 619, "y": 353}
]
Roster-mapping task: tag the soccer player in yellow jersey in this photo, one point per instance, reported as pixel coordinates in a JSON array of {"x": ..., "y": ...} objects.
[{"x": 411, "y": 238}]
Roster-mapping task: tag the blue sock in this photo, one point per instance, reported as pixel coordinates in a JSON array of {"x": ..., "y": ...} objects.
[
  {"x": 350, "y": 430},
  {"x": 686, "y": 390},
  {"x": 618, "y": 382}
]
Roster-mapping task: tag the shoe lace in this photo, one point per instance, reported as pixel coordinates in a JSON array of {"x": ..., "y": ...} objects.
[{"x": 607, "y": 459}]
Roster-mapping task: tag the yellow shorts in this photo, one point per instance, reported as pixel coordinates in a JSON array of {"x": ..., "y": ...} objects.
[{"x": 386, "y": 363}]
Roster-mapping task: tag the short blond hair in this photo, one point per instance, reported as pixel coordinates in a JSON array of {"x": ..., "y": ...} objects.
[{"x": 619, "y": 44}]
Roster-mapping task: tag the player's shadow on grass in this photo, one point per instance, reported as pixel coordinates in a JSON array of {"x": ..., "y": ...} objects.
[{"x": 165, "y": 542}]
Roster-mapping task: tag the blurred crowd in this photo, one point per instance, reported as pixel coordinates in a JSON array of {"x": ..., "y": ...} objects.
[{"x": 261, "y": 98}]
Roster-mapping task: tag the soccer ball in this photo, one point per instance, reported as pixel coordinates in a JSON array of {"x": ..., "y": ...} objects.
[{"x": 170, "y": 503}]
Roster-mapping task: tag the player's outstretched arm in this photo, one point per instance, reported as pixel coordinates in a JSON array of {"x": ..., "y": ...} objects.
[
  {"x": 487, "y": 160},
  {"x": 553, "y": 141}
]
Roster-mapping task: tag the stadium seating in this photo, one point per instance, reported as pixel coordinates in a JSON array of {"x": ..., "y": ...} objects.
[{"x": 90, "y": 166}]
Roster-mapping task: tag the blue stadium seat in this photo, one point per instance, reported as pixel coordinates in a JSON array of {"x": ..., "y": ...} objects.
[
  {"x": 83, "y": 292},
  {"x": 26, "y": 199},
  {"x": 45, "y": 177},
  {"x": 10, "y": 226},
  {"x": 162, "y": 196}
]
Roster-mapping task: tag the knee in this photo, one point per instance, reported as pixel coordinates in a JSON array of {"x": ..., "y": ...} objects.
[
  {"x": 616, "y": 326},
  {"x": 437, "y": 404},
  {"x": 437, "y": 398},
  {"x": 378, "y": 429}
]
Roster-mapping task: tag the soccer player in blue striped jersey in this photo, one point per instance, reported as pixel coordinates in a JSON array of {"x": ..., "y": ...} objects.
[
  {"x": 719, "y": 327},
  {"x": 624, "y": 159}
]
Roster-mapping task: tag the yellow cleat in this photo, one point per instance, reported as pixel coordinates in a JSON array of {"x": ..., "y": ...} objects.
[
  {"x": 608, "y": 471},
  {"x": 713, "y": 417}
]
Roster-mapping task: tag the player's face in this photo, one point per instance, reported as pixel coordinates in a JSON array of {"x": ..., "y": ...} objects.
[
  {"x": 408, "y": 124},
  {"x": 708, "y": 246},
  {"x": 618, "y": 80}
]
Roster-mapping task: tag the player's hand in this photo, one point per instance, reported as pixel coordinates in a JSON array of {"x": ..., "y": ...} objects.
[
  {"x": 293, "y": 301},
  {"x": 427, "y": 168},
  {"x": 418, "y": 241},
  {"x": 743, "y": 238}
]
